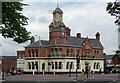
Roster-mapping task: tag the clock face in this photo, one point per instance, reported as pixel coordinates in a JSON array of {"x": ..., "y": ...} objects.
[
  {"x": 59, "y": 15},
  {"x": 55, "y": 16}
]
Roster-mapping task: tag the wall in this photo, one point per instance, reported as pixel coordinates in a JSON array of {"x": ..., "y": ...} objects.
[{"x": 8, "y": 64}]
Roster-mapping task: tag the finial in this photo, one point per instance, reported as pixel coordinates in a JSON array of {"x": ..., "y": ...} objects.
[{"x": 57, "y": 5}]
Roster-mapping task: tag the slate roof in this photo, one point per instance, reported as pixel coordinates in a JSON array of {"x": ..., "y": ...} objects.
[
  {"x": 108, "y": 57},
  {"x": 71, "y": 41},
  {"x": 57, "y": 24},
  {"x": 79, "y": 41},
  {"x": 10, "y": 57},
  {"x": 36, "y": 44},
  {"x": 57, "y": 10}
]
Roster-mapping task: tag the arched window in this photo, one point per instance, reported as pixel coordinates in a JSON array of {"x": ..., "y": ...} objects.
[
  {"x": 97, "y": 66},
  {"x": 97, "y": 54},
  {"x": 29, "y": 65},
  {"x": 19, "y": 56},
  {"x": 36, "y": 53},
  {"x": 60, "y": 52},
  {"x": 51, "y": 52},
  {"x": 71, "y": 52},
  {"x": 60, "y": 65},
  {"x": 55, "y": 52},
  {"x": 67, "y": 52},
  {"x": 43, "y": 66},
  {"x": 32, "y": 65},
  {"x": 36, "y": 63},
  {"x": 55, "y": 40},
  {"x": 71, "y": 65},
  {"x": 29, "y": 53},
  {"x": 32, "y": 53},
  {"x": 87, "y": 46},
  {"x": 94, "y": 65},
  {"x": 52, "y": 65},
  {"x": 67, "y": 65},
  {"x": 56, "y": 65},
  {"x": 23, "y": 55}
]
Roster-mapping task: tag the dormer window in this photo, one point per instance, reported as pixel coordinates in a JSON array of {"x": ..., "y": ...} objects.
[
  {"x": 87, "y": 46},
  {"x": 55, "y": 40}
]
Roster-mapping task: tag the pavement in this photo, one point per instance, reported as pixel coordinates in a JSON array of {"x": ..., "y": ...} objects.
[{"x": 50, "y": 78}]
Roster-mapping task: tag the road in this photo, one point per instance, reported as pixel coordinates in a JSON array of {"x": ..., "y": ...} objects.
[{"x": 104, "y": 78}]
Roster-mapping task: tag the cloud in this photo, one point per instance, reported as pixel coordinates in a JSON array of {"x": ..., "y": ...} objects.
[{"x": 85, "y": 17}]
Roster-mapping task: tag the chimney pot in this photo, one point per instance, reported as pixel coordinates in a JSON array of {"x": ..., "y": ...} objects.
[
  {"x": 33, "y": 39},
  {"x": 98, "y": 36},
  {"x": 78, "y": 35}
]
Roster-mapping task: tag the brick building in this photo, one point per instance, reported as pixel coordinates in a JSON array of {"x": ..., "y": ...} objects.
[
  {"x": 116, "y": 58},
  {"x": 9, "y": 62},
  {"x": 60, "y": 51},
  {"x": 20, "y": 59}
]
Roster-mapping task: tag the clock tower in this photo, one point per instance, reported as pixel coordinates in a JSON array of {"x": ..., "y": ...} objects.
[{"x": 57, "y": 29}]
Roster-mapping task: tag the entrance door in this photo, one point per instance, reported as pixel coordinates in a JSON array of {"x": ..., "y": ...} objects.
[{"x": 43, "y": 66}]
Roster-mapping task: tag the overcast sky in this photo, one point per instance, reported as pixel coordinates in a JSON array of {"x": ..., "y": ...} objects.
[{"x": 88, "y": 18}]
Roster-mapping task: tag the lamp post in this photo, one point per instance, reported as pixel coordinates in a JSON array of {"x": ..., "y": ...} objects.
[{"x": 39, "y": 53}]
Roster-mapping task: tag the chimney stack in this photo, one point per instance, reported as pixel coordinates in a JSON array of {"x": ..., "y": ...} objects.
[
  {"x": 68, "y": 31},
  {"x": 78, "y": 35},
  {"x": 32, "y": 39},
  {"x": 98, "y": 36}
]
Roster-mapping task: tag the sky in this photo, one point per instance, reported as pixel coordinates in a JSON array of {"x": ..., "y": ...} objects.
[{"x": 87, "y": 18}]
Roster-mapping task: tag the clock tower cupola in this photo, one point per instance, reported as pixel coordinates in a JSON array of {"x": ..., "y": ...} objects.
[
  {"x": 57, "y": 29},
  {"x": 57, "y": 14}
]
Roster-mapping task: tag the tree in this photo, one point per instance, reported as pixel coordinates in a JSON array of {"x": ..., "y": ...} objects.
[
  {"x": 13, "y": 21},
  {"x": 113, "y": 9}
]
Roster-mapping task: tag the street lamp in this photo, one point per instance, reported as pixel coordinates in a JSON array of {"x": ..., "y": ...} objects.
[{"x": 39, "y": 52}]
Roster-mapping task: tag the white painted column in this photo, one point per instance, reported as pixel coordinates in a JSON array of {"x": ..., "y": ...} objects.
[{"x": 119, "y": 36}]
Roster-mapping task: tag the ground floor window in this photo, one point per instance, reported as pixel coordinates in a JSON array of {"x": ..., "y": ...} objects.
[
  {"x": 67, "y": 65},
  {"x": 60, "y": 65},
  {"x": 29, "y": 65},
  {"x": 36, "y": 63},
  {"x": 94, "y": 65},
  {"x": 55, "y": 65},
  {"x": 32, "y": 65},
  {"x": 52, "y": 65},
  {"x": 43, "y": 66}
]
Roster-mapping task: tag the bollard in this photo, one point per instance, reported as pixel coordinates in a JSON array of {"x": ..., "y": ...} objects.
[
  {"x": 43, "y": 72},
  {"x": 82, "y": 75},
  {"x": 33, "y": 72},
  {"x": 54, "y": 72}
]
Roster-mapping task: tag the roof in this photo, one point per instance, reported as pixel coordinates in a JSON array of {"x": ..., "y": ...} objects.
[
  {"x": 10, "y": 57},
  {"x": 37, "y": 43},
  {"x": 21, "y": 51},
  {"x": 57, "y": 10},
  {"x": 72, "y": 41},
  {"x": 79, "y": 41},
  {"x": 57, "y": 24},
  {"x": 108, "y": 57}
]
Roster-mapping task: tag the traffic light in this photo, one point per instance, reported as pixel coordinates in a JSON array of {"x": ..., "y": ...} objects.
[{"x": 78, "y": 59}]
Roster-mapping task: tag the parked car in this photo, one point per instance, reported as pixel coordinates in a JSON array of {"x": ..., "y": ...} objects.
[
  {"x": 19, "y": 72},
  {"x": 13, "y": 72}
]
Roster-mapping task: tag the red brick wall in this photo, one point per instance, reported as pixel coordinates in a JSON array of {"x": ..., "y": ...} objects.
[
  {"x": 21, "y": 53},
  {"x": 8, "y": 64},
  {"x": 117, "y": 60},
  {"x": 56, "y": 34},
  {"x": 42, "y": 51}
]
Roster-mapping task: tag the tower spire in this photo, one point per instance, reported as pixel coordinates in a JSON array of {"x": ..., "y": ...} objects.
[{"x": 57, "y": 5}]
